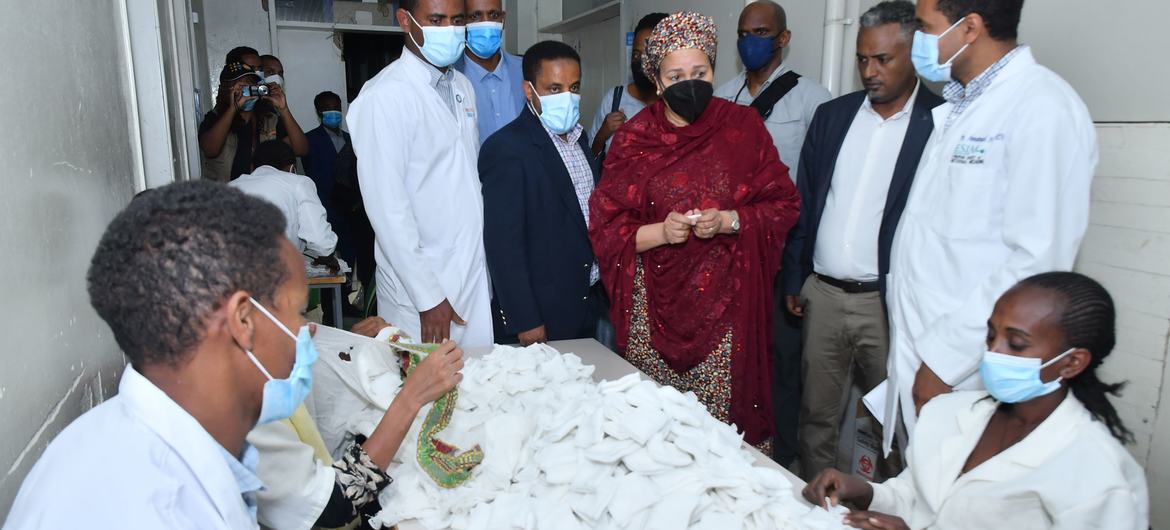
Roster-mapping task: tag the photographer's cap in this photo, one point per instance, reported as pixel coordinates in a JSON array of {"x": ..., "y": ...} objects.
[{"x": 234, "y": 71}]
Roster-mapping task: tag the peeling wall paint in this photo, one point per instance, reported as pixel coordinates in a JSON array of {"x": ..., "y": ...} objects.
[{"x": 67, "y": 169}]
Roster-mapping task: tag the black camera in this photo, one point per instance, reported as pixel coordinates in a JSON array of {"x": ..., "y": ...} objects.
[{"x": 255, "y": 90}]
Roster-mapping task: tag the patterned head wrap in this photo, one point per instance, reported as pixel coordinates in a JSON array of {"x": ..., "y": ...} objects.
[{"x": 680, "y": 31}]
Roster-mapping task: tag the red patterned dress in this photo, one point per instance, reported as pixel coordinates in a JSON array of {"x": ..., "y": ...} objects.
[{"x": 698, "y": 315}]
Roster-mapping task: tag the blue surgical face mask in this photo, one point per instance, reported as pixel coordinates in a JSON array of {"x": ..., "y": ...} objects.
[
  {"x": 484, "y": 38},
  {"x": 331, "y": 118},
  {"x": 249, "y": 105},
  {"x": 756, "y": 51},
  {"x": 559, "y": 112},
  {"x": 442, "y": 45},
  {"x": 283, "y": 396},
  {"x": 924, "y": 55},
  {"x": 1011, "y": 379}
]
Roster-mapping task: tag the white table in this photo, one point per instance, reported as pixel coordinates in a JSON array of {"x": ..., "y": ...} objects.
[{"x": 610, "y": 366}]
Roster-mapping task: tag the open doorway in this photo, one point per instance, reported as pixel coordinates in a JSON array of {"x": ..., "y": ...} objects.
[{"x": 365, "y": 54}]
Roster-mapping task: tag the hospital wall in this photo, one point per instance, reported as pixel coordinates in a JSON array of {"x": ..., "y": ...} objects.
[{"x": 69, "y": 166}]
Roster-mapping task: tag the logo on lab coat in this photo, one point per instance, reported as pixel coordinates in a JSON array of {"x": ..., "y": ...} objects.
[{"x": 972, "y": 150}]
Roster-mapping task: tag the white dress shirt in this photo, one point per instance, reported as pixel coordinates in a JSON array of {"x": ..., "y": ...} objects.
[
  {"x": 296, "y": 196},
  {"x": 417, "y": 144},
  {"x": 1001, "y": 194},
  {"x": 137, "y": 461},
  {"x": 847, "y": 239},
  {"x": 790, "y": 117},
  {"x": 1068, "y": 473}
]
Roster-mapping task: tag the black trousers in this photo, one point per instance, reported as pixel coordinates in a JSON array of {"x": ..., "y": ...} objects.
[
  {"x": 598, "y": 311},
  {"x": 787, "y": 344}
]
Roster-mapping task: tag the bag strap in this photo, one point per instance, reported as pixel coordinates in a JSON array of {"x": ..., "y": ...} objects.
[
  {"x": 617, "y": 98},
  {"x": 774, "y": 93}
]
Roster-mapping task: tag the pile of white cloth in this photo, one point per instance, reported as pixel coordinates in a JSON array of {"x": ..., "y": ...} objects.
[{"x": 564, "y": 452}]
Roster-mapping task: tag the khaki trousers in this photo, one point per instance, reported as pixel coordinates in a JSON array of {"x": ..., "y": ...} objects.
[{"x": 846, "y": 337}]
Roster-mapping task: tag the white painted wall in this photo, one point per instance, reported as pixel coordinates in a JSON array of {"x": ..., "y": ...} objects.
[
  {"x": 68, "y": 169},
  {"x": 1127, "y": 249},
  {"x": 599, "y": 46},
  {"x": 312, "y": 64},
  {"x": 231, "y": 23}
]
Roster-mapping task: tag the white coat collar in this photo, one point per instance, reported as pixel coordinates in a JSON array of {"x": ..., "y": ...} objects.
[
  {"x": 1047, "y": 439},
  {"x": 188, "y": 439},
  {"x": 1023, "y": 61}
]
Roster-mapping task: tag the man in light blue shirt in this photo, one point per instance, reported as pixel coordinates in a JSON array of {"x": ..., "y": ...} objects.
[{"x": 495, "y": 74}]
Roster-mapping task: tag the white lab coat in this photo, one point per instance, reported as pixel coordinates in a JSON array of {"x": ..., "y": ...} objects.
[
  {"x": 296, "y": 197},
  {"x": 420, "y": 184},
  {"x": 137, "y": 461},
  {"x": 1000, "y": 195},
  {"x": 354, "y": 381},
  {"x": 1068, "y": 473},
  {"x": 297, "y": 485}
]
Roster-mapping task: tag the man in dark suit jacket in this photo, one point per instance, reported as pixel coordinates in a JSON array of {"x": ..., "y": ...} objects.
[
  {"x": 325, "y": 143},
  {"x": 856, "y": 168},
  {"x": 537, "y": 174}
]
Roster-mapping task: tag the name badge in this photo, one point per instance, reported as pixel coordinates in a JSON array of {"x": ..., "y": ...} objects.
[{"x": 976, "y": 150}]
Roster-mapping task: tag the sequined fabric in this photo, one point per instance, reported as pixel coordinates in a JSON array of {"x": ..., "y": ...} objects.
[
  {"x": 698, "y": 290},
  {"x": 681, "y": 31},
  {"x": 710, "y": 380}
]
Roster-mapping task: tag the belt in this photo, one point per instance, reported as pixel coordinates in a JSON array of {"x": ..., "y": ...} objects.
[{"x": 849, "y": 286}]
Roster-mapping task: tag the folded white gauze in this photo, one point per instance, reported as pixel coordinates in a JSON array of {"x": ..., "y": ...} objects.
[
  {"x": 563, "y": 452},
  {"x": 558, "y": 461},
  {"x": 610, "y": 451},
  {"x": 642, "y": 423},
  {"x": 642, "y": 463},
  {"x": 719, "y": 521},
  {"x": 633, "y": 494},
  {"x": 503, "y": 445},
  {"x": 667, "y": 453},
  {"x": 621, "y": 385},
  {"x": 590, "y": 432}
]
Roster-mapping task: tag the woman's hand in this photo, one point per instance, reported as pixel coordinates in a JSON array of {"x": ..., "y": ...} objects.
[
  {"x": 709, "y": 224},
  {"x": 677, "y": 227},
  {"x": 875, "y": 521},
  {"x": 435, "y": 375},
  {"x": 836, "y": 487}
]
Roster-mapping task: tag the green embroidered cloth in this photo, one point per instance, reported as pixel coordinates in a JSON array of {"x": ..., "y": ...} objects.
[{"x": 443, "y": 462}]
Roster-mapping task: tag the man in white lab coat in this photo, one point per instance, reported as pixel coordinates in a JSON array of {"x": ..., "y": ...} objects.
[
  {"x": 415, "y": 135},
  {"x": 198, "y": 284},
  {"x": 274, "y": 180},
  {"x": 1002, "y": 193}
]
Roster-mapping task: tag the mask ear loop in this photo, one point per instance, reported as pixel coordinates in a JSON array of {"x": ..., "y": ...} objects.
[
  {"x": 1057, "y": 358},
  {"x": 528, "y": 102},
  {"x": 1059, "y": 377},
  {"x": 274, "y": 320},
  {"x": 961, "y": 50},
  {"x": 419, "y": 26}
]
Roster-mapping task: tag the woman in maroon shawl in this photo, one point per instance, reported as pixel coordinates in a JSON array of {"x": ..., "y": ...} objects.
[{"x": 688, "y": 225}]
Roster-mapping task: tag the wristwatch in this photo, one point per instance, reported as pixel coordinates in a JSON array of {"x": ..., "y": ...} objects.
[{"x": 734, "y": 222}]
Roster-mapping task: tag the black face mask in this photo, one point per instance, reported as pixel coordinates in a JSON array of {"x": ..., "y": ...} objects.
[
  {"x": 645, "y": 84},
  {"x": 689, "y": 98}
]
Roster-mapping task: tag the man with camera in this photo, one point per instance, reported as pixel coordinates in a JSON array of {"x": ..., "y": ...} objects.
[{"x": 231, "y": 131}]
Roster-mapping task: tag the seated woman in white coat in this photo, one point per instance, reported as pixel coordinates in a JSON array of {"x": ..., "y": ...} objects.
[
  {"x": 314, "y": 480},
  {"x": 1041, "y": 448}
]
